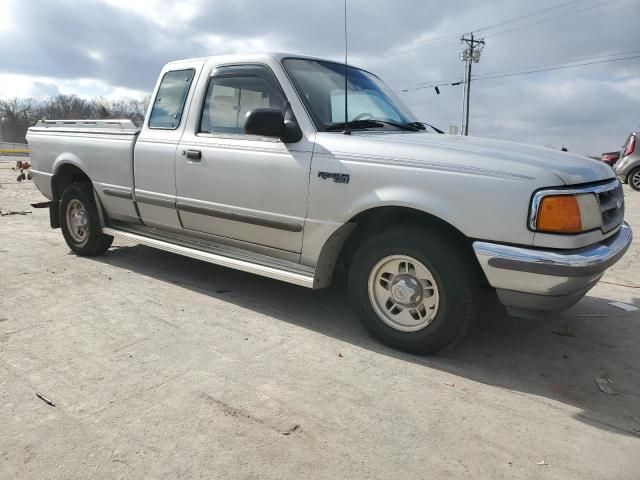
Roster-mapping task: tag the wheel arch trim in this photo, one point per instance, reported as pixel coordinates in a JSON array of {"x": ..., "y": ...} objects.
[
  {"x": 63, "y": 161},
  {"x": 333, "y": 246}
]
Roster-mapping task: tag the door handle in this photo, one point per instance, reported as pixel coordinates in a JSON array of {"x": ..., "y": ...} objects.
[{"x": 194, "y": 155}]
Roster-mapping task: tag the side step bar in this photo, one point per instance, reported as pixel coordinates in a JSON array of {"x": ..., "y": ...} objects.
[{"x": 297, "y": 278}]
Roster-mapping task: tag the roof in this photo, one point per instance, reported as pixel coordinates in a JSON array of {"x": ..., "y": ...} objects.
[{"x": 250, "y": 57}]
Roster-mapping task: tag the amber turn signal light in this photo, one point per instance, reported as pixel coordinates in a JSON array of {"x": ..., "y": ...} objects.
[{"x": 559, "y": 214}]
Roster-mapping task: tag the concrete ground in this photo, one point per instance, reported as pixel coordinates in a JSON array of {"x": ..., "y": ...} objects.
[{"x": 165, "y": 367}]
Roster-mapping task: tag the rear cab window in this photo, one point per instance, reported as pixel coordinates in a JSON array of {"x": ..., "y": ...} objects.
[{"x": 169, "y": 103}]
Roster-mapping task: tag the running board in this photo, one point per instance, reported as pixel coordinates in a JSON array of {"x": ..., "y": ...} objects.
[{"x": 276, "y": 272}]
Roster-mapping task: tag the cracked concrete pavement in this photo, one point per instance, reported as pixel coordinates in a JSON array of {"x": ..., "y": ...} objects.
[{"x": 165, "y": 367}]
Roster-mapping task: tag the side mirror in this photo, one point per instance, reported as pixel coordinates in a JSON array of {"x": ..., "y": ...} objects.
[
  {"x": 292, "y": 132},
  {"x": 266, "y": 122},
  {"x": 270, "y": 122}
]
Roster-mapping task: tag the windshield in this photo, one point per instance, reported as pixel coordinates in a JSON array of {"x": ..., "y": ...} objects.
[{"x": 321, "y": 86}]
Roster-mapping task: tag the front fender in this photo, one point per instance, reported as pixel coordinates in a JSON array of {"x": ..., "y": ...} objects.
[
  {"x": 409, "y": 197},
  {"x": 479, "y": 206}
]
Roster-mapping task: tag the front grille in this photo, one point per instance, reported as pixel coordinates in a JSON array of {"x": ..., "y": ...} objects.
[{"x": 611, "y": 206}]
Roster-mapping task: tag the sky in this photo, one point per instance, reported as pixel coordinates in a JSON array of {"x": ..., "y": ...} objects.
[{"x": 115, "y": 49}]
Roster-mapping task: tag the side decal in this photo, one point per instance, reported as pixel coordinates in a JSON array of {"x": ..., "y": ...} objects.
[{"x": 337, "y": 177}]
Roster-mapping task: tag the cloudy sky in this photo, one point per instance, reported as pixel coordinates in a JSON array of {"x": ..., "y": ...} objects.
[{"x": 115, "y": 48}]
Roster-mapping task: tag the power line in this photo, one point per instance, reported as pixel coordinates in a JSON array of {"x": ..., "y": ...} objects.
[
  {"x": 438, "y": 40},
  {"x": 528, "y": 70},
  {"x": 537, "y": 12},
  {"x": 516, "y": 69},
  {"x": 438, "y": 83},
  {"x": 420, "y": 49},
  {"x": 447, "y": 39},
  {"x": 556, "y": 68},
  {"x": 455, "y": 81},
  {"x": 511, "y": 20},
  {"x": 441, "y": 83},
  {"x": 471, "y": 54},
  {"x": 548, "y": 19}
]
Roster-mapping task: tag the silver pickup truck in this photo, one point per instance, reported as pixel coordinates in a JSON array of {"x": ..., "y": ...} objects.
[{"x": 247, "y": 162}]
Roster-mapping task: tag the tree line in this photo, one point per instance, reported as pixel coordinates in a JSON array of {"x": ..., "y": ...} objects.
[{"x": 18, "y": 114}]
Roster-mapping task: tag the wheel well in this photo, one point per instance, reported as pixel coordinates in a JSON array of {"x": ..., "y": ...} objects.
[
  {"x": 67, "y": 175},
  {"x": 378, "y": 219}
]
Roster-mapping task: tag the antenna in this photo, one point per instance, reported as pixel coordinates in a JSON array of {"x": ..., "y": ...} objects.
[{"x": 346, "y": 74}]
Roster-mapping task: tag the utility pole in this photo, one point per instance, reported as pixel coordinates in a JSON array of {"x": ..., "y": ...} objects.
[{"x": 470, "y": 54}]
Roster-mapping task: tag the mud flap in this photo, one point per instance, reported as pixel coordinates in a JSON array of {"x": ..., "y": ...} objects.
[
  {"x": 54, "y": 212},
  {"x": 101, "y": 212}
]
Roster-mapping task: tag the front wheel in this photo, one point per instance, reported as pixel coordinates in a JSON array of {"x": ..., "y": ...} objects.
[
  {"x": 414, "y": 288},
  {"x": 634, "y": 179},
  {"x": 80, "y": 223}
]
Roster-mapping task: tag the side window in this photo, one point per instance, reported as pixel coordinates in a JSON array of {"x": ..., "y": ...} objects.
[
  {"x": 229, "y": 98},
  {"x": 169, "y": 102}
]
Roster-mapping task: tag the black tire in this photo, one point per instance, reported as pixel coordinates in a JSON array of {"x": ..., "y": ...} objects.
[
  {"x": 94, "y": 242},
  {"x": 633, "y": 179},
  {"x": 455, "y": 276}
]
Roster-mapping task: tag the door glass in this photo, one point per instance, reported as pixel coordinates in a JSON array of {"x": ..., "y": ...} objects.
[
  {"x": 229, "y": 98},
  {"x": 169, "y": 103}
]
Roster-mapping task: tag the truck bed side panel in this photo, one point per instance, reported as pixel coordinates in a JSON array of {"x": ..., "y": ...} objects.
[{"x": 106, "y": 158}]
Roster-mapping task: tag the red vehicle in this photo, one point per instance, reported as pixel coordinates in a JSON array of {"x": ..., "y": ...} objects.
[{"x": 610, "y": 158}]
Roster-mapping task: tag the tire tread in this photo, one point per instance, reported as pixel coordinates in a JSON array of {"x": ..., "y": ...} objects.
[
  {"x": 98, "y": 242},
  {"x": 426, "y": 238}
]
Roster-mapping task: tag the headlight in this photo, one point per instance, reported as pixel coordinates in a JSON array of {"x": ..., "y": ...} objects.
[{"x": 557, "y": 212}]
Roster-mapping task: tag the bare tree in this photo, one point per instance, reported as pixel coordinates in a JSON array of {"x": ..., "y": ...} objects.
[
  {"x": 19, "y": 113},
  {"x": 16, "y": 109},
  {"x": 16, "y": 115}
]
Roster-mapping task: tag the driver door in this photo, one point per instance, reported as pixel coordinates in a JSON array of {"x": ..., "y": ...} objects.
[{"x": 242, "y": 187}]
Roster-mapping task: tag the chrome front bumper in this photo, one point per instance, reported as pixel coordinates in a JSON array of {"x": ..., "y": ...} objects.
[{"x": 529, "y": 280}]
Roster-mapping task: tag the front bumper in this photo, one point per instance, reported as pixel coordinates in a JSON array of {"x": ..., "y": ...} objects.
[{"x": 529, "y": 280}]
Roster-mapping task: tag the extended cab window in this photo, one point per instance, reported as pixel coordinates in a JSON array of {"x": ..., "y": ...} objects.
[
  {"x": 230, "y": 97},
  {"x": 169, "y": 103}
]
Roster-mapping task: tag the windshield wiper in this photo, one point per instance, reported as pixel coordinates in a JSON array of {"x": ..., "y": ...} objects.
[
  {"x": 422, "y": 124},
  {"x": 412, "y": 127},
  {"x": 374, "y": 123},
  {"x": 355, "y": 124}
]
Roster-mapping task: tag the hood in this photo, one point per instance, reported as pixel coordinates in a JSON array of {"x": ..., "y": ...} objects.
[{"x": 510, "y": 158}]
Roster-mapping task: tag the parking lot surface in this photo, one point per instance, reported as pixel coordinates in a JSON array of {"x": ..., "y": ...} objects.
[{"x": 161, "y": 366}]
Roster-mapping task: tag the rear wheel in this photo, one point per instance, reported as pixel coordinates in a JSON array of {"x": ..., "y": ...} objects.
[
  {"x": 414, "y": 288},
  {"x": 634, "y": 179},
  {"x": 80, "y": 222}
]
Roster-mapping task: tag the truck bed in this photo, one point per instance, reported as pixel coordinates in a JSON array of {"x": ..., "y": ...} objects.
[{"x": 109, "y": 143}]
